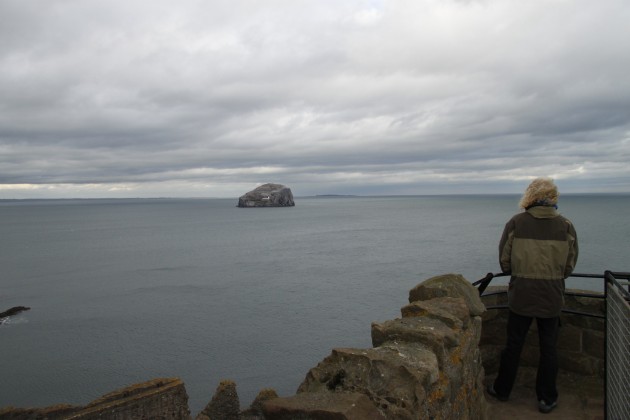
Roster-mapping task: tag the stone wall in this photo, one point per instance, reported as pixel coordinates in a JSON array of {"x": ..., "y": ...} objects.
[
  {"x": 429, "y": 363},
  {"x": 581, "y": 341},
  {"x": 426, "y": 364},
  {"x": 423, "y": 365},
  {"x": 159, "y": 399}
]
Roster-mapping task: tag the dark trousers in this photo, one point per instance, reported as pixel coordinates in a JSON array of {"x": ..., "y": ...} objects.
[{"x": 517, "y": 328}]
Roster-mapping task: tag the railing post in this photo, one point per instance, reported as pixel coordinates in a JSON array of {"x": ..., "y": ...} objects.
[
  {"x": 484, "y": 282},
  {"x": 606, "y": 344}
]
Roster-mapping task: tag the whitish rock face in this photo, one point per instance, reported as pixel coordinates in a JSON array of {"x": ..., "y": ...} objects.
[{"x": 268, "y": 195}]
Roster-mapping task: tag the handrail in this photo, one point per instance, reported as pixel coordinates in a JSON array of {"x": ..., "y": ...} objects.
[
  {"x": 608, "y": 276},
  {"x": 566, "y": 311},
  {"x": 612, "y": 277},
  {"x": 484, "y": 282}
]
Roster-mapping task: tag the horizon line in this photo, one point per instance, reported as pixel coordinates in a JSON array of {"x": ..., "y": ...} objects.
[{"x": 303, "y": 196}]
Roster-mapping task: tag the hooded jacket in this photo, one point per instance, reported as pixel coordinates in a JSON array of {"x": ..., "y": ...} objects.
[{"x": 539, "y": 248}]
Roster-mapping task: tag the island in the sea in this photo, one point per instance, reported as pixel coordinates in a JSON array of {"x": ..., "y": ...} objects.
[{"x": 267, "y": 195}]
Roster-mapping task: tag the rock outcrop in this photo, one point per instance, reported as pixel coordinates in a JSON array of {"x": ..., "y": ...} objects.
[
  {"x": 224, "y": 404},
  {"x": 323, "y": 406},
  {"x": 13, "y": 311},
  {"x": 4, "y": 316},
  {"x": 268, "y": 195}
]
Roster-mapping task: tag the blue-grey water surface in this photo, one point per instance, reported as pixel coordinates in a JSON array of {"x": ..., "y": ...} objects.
[{"x": 124, "y": 291}]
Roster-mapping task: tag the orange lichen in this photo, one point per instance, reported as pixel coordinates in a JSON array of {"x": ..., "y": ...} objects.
[
  {"x": 456, "y": 356},
  {"x": 439, "y": 389}
]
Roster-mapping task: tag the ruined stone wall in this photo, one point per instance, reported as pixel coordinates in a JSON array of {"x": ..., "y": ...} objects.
[
  {"x": 159, "y": 399},
  {"x": 423, "y": 365},
  {"x": 426, "y": 364},
  {"x": 581, "y": 340}
]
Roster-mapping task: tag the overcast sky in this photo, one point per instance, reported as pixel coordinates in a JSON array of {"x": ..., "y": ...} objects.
[{"x": 126, "y": 98}]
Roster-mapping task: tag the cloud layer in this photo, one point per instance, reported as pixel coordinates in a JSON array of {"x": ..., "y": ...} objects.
[{"x": 153, "y": 98}]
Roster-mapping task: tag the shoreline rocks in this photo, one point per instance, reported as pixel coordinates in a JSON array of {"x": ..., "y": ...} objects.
[{"x": 12, "y": 311}]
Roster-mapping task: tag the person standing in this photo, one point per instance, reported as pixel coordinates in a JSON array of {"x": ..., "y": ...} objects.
[{"x": 539, "y": 249}]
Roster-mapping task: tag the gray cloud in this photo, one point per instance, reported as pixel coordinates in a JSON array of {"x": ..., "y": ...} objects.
[{"x": 140, "y": 98}]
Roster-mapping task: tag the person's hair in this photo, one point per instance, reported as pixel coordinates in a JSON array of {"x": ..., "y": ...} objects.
[{"x": 541, "y": 191}]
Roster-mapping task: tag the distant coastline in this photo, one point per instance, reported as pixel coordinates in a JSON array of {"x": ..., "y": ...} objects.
[
  {"x": 140, "y": 199},
  {"x": 335, "y": 195}
]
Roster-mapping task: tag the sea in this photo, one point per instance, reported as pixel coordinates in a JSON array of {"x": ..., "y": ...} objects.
[{"x": 126, "y": 290}]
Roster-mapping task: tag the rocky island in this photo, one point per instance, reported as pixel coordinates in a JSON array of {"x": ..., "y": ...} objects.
[{"x": 267, "y": 195}]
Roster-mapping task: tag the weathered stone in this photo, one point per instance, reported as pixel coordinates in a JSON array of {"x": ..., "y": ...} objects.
[
  {"x": 453, "y": 285},
  {"x": 464, "y": 360},
  {"x": 431, "y": 332},
  {"x": 580, "y": 363},
  {"x": 570, "y": 338},
  {"x": 491, "y": 357},
  {"x": 394, "y": 376},
  {"x": 255, "y": 410},
  {"x": 160, "y": 399},
  {"x": 322, "y": 406},
  {"x": 594, "y": 343},
  {"x": 452, "y": 311},
  {"x": 267, "y": 195},
  {"x": 224, "y": 404},
  {"x": 494, "y": 315},
  {"x": 582, "y": 301},
  {"x": 475, "y": 330},
  {"x": 494, "y": 332},
  {"x": 584, "y": 322},
  {"x": 58, "y": 411},
  {"x": 495, "y": 295}
]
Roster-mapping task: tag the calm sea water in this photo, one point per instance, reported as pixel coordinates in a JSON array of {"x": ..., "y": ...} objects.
[{"x": 124, "y": 291}]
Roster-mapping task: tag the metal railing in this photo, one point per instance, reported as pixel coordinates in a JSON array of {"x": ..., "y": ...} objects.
[
  {"x": 617, "y": 334},
  {"x": 483, "y": 283},
  {"x": 617, "y": 346}
]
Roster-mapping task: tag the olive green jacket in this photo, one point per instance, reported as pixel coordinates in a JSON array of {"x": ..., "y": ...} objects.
[{"x": 539, "y": 248}]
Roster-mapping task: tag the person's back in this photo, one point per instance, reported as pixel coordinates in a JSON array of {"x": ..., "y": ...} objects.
[{"x": 539, "y": 249}]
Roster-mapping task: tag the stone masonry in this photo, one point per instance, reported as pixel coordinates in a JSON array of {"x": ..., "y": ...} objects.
[
  {"x": 580, "y": 343},
  {"x": 158, "y": 399},
  {"x": 423, "y": 365},
  {"x": 428, "y": 364}
]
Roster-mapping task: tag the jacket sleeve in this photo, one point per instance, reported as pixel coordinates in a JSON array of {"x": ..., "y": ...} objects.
[
  {"x": 573, "y": 251},
  {"x": 505, "y": 247}
]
